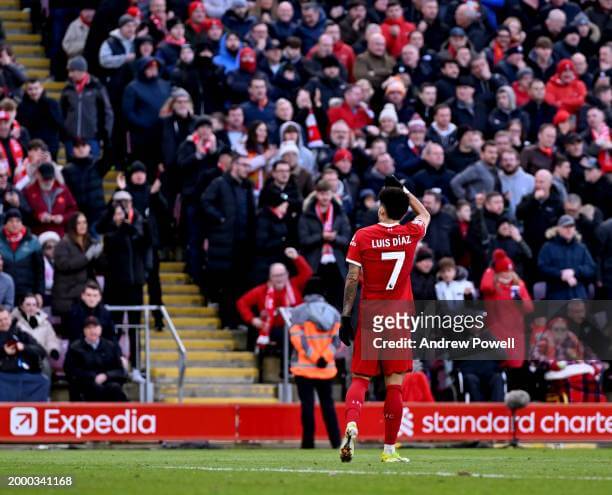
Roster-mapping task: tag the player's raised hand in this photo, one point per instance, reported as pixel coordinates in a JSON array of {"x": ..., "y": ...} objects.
[
  {"x": 393, "y": 181},
  {"x": 346, "y": 330}
]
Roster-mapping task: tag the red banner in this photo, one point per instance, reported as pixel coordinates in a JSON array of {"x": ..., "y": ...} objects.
[{"x": 80, "y": 422}]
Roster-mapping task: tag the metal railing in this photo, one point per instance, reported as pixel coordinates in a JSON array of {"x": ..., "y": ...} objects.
[
  {"x": 284, "y": 389},
  {"x": 146, "y": 388}
]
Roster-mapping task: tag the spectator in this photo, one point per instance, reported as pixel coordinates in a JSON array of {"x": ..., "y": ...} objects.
[
  {"x": 311, "y": 25},
  {"x": 395, "y": 28},
  {"x": 118, "y": 48},
  {"x": 314, "y": 336},
  {"x": 94, "y": 368},
  {"x": 12, "y": 75},
  {"x": 540, "y": 155},
  {"x": 75, "y": 258},
  {"x": 324, "y": 231},
  {"x": 597, "y": 187},
  {"x": 85, "y": 108},
  {"x": 259, "y": 107},
  {"x": 443, "y": 236},
  {"x": 564, "y": 90},
  {"x": 75, "y": 37},
  {"x": 11, "y": 149},
  {"x": 229, "y": 206},
  {"x": 52, "y": 203},
  {"x": 480, "y": 177},
  {"x": 453, "y": 285},
  {"x": 538, "y": 111},
  {"x": 197, "y": 23},
  {"x": 353, "y": 110},
  {"x": 515, "y": 182},
  {"x": 127, "y": 245},
  {"x": 585, "y": 327},
  {"x": 374, "y": 65},
  {"x": 442, "y": 129},
  {"x": 21, "y": 357},
  {"x": 142, "y": 101},
  {"x": 22, "y": 256},
  {"x": 465, "y": 109},
  {"x": 433, "y": 173},
  {"x": 566, "y": 263},
  {"x": 422, "y": 276},
  {"x": 41, "y": 115},
  {"x": 170, "y": 48},
  {"x": 30, "y": 319},
  {"x": 88, "y": 304}
]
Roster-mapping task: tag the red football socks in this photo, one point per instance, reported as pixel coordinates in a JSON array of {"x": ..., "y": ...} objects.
[
  {"x": 393, "y": 413},
  {"x": 354, "y": 399}
]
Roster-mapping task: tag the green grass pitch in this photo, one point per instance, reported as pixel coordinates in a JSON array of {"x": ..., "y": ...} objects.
[{"x": 244, "y": 471}]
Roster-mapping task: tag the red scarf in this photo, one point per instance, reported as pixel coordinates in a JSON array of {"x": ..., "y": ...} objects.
[
  {"x": 171, "y": 40},
  {"x": 80, "y": 85},
  {"x": 16, "y": 151},
  {"x": 14, "y": 238},
  {"x": 270, "y": 306},
  {"x": 498, "y": 52},
  {"x": 197, "y": 28},
  {"x": 327, "y": 219},
  {"x": 547, "y": 151}
]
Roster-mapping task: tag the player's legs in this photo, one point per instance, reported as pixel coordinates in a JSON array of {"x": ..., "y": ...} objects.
[
  {"x": 355, "y": 397},
  {"x": 393, "y": 417}
]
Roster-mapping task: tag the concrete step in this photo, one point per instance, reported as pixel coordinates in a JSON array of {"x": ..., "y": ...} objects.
[
  {"x": 198, "y": 373},
  {"x": 169, "y": 288},
  {"x": 14, "y": 15},
  {"x": 30, "y": 50},
  {"x": 222, "y": 400},
  {"x": 54, "y": 85},
  {"x": 236, "y": 357},
  {"x": 54, "y": 95},
  {"x": 17, "y": 26},
  {"x": 191, "y": 311},
  {"x": 193, "y": 345},
  {"x": 200, "y": 333},
  {"x": 261, "y": 390},
  {"x": 174, "y": 278},
  {"x": 34, "y": 62},
  {"x": 10, "y": 4},
  {"x": 181, "y": 299},
  {"x": 38, "y": 73},
  {"x": 24, "y": 38},
  {"x": 172, "y": 266}
]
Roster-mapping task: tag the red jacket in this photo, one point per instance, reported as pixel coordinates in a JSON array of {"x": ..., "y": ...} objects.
[
  {"x": 568, "y": 97},
  {"x": 396, "y": 43},
  {"x": 63, "y": 203},
  {"x": 256, "y": 297},
  {"x": 355, "y": 120},
  {"x": 505, "y": 319}
]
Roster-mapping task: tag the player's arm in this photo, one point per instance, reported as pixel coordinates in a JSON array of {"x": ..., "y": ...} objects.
[
  {"x": 422, "y": 215},
  {"x": 350, "y": 293}
]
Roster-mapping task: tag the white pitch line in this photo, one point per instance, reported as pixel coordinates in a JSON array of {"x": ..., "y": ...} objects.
[{"x": 333, "y": 472}]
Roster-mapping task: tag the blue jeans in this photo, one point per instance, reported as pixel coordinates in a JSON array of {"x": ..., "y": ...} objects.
[{"x": 24, "y": 387}]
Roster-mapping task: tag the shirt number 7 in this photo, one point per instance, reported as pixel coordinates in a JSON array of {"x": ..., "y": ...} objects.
[{"x": 399, "y": 257}]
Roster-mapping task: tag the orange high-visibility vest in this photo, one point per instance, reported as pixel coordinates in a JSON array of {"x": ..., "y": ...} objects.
[{"x": 311, "y": 344}]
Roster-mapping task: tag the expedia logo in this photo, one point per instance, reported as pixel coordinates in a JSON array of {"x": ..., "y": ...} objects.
[{"x": 24, "y": 421}]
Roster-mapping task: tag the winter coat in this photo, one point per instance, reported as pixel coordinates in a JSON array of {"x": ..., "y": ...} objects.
[
  {"x": 557, "y": 255},
  {"x": 382, "y": 67},
  {"x": 226, "y": 226},
  {"x": 310, "y": 35},
  {"x": 169, "y": 54},
  {"x": 235, "y": 23},
  {"x": 423, "y": 285},
  {"x": 429, "y": 177},
  {"x": 310, "y": 231},
  {"x": 87, "y": 115},
  {"x": 24, "y": 265},
  {"x": 43, "y": 119},
  {"x": 79, "y": 312},
  {"x": 196, "y": 171},
  {"x": 83, "y": 362},
  {"x": 537, "y": 216},
  {"x": 32, "y": 355},
  {"x": 114, "y": 51},
  {"x": 272, "y": 237},
  {"x": 226, "y": 60},
  {"x": 74, "y": 40},
  {"x": 395, "y": 43},
  {"x": 72, "y": 269},
  {"x": 355, "y": 120},
  {"x": 204, "y": 81},
  {"x": 40, "y": 328},
  {"x": 84, "y": 177},
  {"x": 537, "y": 114},
  {"x": 443, "y": 236},
  {"x": 57, "y": 201},
  {"x": 569, "y": 97},
  {"x": 12, "y": 77},
  {"x": 476, "y": 117},
  {"x": 477, "y": 178},
  {"x": 142, "y": 100},
  {"x": 7, "y": 291}
]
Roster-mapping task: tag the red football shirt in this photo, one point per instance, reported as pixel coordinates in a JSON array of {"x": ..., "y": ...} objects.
[{"x": 385, "y": 253}]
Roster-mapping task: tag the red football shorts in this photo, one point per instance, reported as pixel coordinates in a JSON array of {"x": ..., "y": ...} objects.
[{"x": 374, "y": 367}]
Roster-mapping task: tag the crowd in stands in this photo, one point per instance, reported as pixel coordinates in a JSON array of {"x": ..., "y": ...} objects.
[{"x": 252, "y": 138}]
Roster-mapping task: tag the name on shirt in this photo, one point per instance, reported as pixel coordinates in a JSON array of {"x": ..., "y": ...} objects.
[{"x": 393, "y": 242}]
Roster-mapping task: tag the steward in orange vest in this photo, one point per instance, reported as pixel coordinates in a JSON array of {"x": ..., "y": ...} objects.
[{"x": 314, "y": 336}]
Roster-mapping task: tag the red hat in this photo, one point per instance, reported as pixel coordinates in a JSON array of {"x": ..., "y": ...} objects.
[
  {"x": 564, "y": 65},
  {"x": 501, "y": 261},
  {"x": 210, "y": 22},
  {"x": 343, "y": 154},
  {"x": 561, "y": 116},
  {"x": 193, "y": 6},
  {"x": 134, "y": 12}
]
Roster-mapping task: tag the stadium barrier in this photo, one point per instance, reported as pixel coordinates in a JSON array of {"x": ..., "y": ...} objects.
[{"x": 140, "y": 422}]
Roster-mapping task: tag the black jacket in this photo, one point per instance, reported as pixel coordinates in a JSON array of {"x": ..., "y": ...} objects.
[
  {"x": 43, "y": 119},
  {"x": 27, "y": 361},
  {"x": 227, "y": 227},
  {"x": 25, "y": 264},
  {"x": 79, "y": 312},
  {"x": 537, "y": 216},
  {"x": 204, "y": 81},
  {"x": 443, "y": 236},
  {"x": 83, "y": 362},
  {"x": 311, "y": 236},
  {"x": 85, "y": 179},
  {"x": 536, "y": 116},
  {"x": 196, "y": 171}
]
